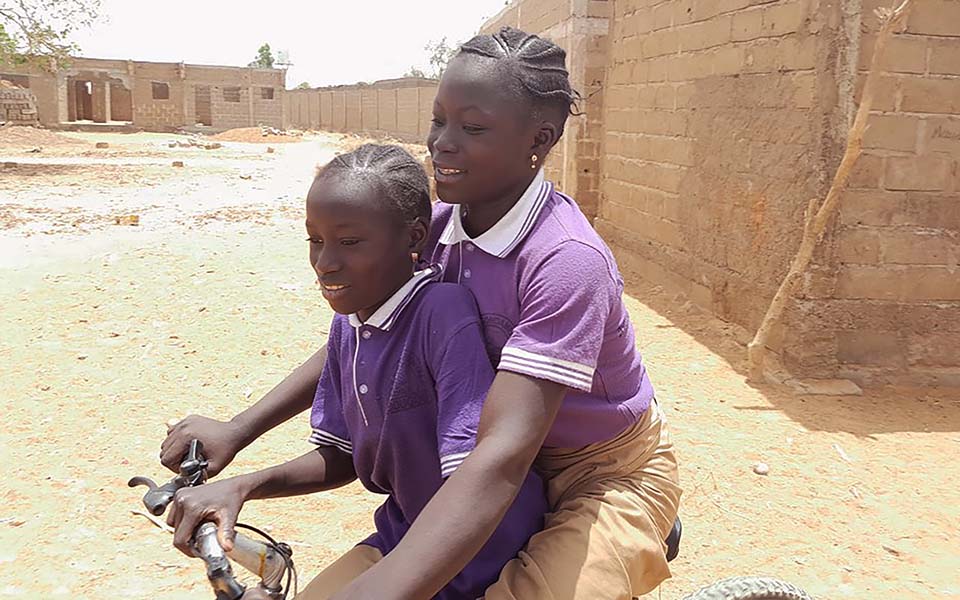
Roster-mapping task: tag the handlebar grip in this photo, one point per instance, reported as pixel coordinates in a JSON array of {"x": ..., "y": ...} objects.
[
  {"x": 219, "y": 572},
  {"x": 157, "y": 501}
]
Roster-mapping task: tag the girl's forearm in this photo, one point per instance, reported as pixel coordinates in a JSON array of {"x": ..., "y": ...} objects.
[
  {"x": 453, "y": 527},
  {"x": 325, "y": 468}
]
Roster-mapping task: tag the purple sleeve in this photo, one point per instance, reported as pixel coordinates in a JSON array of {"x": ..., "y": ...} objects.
[
  {"x": 463, "y": 374},
  {"x": 329, "y": 428},
  {"x": 564, "y": 306}
]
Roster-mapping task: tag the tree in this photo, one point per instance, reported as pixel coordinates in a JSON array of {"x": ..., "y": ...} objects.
[
  {"x": 304, "y": 85},
  {"x": 39, "y": 31},
  {"x": 414, "y": 72},
  {"x": 440, "y": 54},
  {"x": 264, "y": 59}
]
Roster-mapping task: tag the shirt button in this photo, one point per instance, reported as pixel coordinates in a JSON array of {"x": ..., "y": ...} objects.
[
  {"x": 366, "y": 334},
  {"x": 467, "y": 273},
  {"x": 470, "y": 247},
  {"x": 363, "y": 388}
]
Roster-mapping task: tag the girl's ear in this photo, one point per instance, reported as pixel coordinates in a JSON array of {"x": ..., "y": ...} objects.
[
  {"x": 418, "y": 236},
  {"x": 546, "y": 136}
]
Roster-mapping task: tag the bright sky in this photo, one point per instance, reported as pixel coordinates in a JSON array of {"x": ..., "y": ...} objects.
[{"x": 329, "y": 42}]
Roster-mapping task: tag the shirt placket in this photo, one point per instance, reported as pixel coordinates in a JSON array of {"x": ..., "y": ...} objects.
[
  {"x": 464, "y": 272},
  {"x": 361, "y": 385}
]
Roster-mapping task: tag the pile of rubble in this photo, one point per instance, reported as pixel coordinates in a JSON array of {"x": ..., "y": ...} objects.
[
  {"x": 195, "y": 141},
  {"x": 259, "y": 135}
]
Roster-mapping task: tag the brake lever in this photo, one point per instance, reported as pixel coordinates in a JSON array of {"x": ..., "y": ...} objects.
[{"x": 193, "y": 472}]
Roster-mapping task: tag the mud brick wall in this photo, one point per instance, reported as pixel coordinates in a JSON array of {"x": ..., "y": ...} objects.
[
  {"x": 18, "y": 107},
  {"x": 395, "y": 108}
]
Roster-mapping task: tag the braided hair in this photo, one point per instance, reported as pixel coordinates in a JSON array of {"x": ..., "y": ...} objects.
[
  {"x": 537, "y": 66},
  {"x": 400, "y": 176}
]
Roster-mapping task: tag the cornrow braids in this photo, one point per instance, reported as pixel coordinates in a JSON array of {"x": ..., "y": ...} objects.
[
  {"x": 537, "y": 65},
  {"x": 402, "y": 178}
]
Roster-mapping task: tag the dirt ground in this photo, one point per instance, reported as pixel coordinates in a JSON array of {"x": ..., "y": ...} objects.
[{"x": 110, "y": 330}]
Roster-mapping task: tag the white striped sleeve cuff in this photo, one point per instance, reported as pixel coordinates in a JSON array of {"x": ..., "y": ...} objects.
[
  {"x": 450, "y": 462},
  {"x": 570, "y": 374},
  {"x": 325, "y": 438}
]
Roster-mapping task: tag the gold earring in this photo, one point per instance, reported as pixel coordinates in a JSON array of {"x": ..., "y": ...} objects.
[{"x": 533, "y": 163}]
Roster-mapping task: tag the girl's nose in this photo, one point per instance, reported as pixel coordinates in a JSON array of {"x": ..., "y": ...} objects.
[
  {"x": 445, "y": 142},
  {"x": 326, "y": 262}
]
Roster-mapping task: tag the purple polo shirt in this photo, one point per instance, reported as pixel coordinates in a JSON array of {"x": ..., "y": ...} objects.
[
  {"x": 402, "y": 393},
  {"x": 550, "y": 298}
]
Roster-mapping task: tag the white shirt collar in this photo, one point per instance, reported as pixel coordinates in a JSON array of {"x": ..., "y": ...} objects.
[
  {"x": 385, "y": 316},
  {"x": 509, "y": 231}
]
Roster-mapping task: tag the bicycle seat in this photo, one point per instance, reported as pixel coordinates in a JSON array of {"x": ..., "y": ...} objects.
[{"x": 673, "y": 540}]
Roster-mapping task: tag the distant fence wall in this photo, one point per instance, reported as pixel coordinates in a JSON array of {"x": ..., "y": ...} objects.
[{"x": 398, "y": 108}]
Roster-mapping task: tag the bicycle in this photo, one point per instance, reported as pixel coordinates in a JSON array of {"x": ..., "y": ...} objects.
[
  {"x": 736, "y": 588},
  {"x": 270, "y": 560}
]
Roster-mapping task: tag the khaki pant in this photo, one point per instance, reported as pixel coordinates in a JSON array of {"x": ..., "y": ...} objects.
[
  {"x": 339, "y": 574},
  {"x": 613, "y": 506}
]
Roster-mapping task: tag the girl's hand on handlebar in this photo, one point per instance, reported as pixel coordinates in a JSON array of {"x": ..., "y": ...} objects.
[
  {"x": 218, "y": 502},
  {"x": 221, "y": 442}
]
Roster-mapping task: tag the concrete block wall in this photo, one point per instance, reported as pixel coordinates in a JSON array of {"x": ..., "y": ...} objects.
[
  {"x": 369, "y": 120},
  {"x": 711, "y": 131},
  {"x": 713, "y": 122},
  {"x": 159, "y": 115},
  {"x": 269, "y": 111},
  {"x": 251, "y": 110},
  {"x": 888, "y": 309},
  {"x": 408, "y": 113},
  {"x": 133, "y": 82},
  {"x": 228, "y": 114},
  {"x": 397, "y": 108}
]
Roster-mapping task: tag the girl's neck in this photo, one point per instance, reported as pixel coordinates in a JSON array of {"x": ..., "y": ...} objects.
[
  {"x": 364, "y": 314},
  {"x": 479, "y": 217}
]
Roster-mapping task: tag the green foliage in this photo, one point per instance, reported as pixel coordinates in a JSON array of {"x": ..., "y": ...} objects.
[
  {"x": 39, "y": 31},
  {"x": 304, "y": 85},
  {"x": 414, "y": 72},
  {"x": 264, "y": 59}
]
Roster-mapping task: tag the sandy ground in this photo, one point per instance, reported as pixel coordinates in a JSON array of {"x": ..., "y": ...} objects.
[{"x": 109, "y": 330}]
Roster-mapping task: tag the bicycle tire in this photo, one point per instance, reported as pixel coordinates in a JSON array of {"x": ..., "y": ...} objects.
[{"x": 750, "y": 588}]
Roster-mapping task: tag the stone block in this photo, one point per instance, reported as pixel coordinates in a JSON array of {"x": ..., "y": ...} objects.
[
  {"x": 945, "y": 56},
  {"x": 871, "y": 348},
  {"x": 931, "y": 172},
  {"x": 892, "y": 132},
  {"x": 940, "y": 96}
]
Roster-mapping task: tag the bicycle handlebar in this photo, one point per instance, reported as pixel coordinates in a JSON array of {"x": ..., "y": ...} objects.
[
  {"x": 255, "y": 556},
  {"x": 270, "y": 561}
]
